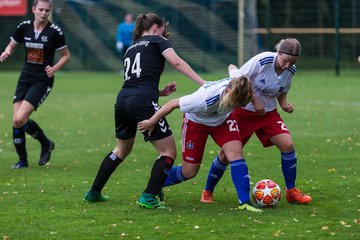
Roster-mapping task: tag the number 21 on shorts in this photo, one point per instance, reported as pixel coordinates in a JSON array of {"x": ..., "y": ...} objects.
[
  {"x": 282, "y": 125},
  {"x": 233, "y": 127}
]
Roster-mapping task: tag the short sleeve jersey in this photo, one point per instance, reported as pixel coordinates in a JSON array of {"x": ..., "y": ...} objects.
[
  {"x": 143, "y": 64},
  {"x": 202, "y": 106},
  {"x": 267, "y": 84},
  {"x": 39, "y": 48}
]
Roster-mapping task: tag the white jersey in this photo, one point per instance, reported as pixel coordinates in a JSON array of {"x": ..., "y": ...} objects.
[
  {"x": 202, "y": 106},
  {"x": 267, "y": 84}
]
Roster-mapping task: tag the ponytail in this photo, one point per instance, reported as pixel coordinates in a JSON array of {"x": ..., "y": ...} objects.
[
  {"x": 239, "y": 93},
  {"x": 145, "y": 21}
]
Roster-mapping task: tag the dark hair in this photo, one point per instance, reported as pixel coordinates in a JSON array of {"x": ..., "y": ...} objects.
[
  {"x": 145, "y": 21},
  {"x": 289, "y": 46},
  {"x": 35, "y": 3}
]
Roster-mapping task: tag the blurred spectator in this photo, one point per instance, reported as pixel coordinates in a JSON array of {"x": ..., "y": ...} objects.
[{"x": 124, "y": 34}]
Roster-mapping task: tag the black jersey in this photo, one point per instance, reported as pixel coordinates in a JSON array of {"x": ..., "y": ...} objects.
[
  {"x": 39, "y": 48},
  {"x": 143, "y": 65}
]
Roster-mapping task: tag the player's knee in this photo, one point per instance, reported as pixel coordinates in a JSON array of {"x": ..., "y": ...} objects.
[
  {"x": 19, "y": 122},
  {"x": 222, "y": 157},
  {"x": 190, "y": 171},
  {"x": 189, "y": 174},
  {"x": 233, "y": 155},
  {"x": 170, "y": 153},
  {"x": 120, "y": 153},
  {"x": 287, "y": 146}
]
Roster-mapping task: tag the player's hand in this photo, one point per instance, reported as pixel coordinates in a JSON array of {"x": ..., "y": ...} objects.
[
  {"x": 145, "y": 126},
  {"x": 258, "y": 105},
  {"x": 4, "y": 55},
  {"x": 119, "y": 46},
  {"x": 49, "y": 71},
  {"x": 168, "y": 89},
  {"x": 289, "y": 108}
]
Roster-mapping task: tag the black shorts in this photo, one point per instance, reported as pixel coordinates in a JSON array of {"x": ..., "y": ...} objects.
[
  {"x": 35, "y": 92},
  {"x": 132, "y": 109}
]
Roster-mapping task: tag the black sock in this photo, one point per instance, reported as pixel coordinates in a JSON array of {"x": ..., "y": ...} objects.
[
  {"x": 159, "y": 173},
  {"x": 20, "y": 143},
  {"x": 32, "y": 128},
  {"x": 107, "y": 167}
]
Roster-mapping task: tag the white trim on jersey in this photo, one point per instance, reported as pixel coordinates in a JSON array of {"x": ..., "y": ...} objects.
[
  {"x": 14, "y": 40},
  {"x": 62, "y": 47},
  {"x": 166, "y": 50},
  {"x": 202, "y": 106}
]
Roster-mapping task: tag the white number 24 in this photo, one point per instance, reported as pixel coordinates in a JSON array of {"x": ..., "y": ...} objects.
[{"x": 135, "y": 67}]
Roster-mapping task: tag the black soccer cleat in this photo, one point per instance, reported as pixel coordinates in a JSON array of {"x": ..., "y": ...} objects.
[
  {"x": 20, "y": 164},
  {"x": 46, "y": 153}
]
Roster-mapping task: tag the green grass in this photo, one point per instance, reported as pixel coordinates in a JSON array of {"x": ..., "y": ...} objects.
[{"x": 46, "y": 202}]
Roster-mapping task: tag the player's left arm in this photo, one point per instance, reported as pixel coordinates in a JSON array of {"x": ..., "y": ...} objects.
[
  {"x": 181, "y": 66},
  {"x": 65, "y": 57},
  {"x": 282, "y": 100}
]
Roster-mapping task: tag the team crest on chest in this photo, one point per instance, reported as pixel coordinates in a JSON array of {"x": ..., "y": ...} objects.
[{"x": 44, "y": 38}]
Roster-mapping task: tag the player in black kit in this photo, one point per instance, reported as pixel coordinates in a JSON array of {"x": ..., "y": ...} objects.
[
  {"x": 144, "y": 61},
  {"x": 40, "y": 38}
]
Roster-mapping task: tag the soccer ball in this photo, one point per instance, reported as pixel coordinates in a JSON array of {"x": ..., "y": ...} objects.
[{"x": 266, "y": 193}]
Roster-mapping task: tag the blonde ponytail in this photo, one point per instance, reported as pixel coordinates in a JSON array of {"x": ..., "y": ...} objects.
[{"x": 239, "y": 93}]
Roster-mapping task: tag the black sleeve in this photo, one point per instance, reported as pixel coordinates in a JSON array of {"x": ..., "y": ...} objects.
[
  {"x": 164, "y": 44},
  {"x": 18, "y": 35},
  {"x": 60, "y": 41}
]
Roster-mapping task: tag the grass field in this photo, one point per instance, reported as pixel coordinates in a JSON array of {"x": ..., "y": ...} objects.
[{"x": 46, "y": 202}]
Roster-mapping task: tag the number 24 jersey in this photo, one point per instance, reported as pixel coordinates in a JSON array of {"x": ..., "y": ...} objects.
[{"x": 143, "y": 64}]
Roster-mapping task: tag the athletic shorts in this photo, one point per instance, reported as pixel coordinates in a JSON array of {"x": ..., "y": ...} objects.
[
  {"x": 265, "y": 126},
  {"x": 194, "y": 136},
  {"x": 32, "y": 90},
  {"x": 130, "y": 110}
]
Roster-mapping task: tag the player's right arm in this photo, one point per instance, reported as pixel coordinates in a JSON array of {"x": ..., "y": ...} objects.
[
  {"x": 258, "y": 105},
  {"x": 180, "y": 65},
  {"x": 148, "y": 125},
  {"x": 8, "y": 50}
]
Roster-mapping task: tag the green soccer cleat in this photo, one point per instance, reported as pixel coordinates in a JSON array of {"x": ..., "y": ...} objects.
[
  {"x": 249, "y": 207},
  {"x": 93, "y": 196},
  {"x": 148, "y": 200}
]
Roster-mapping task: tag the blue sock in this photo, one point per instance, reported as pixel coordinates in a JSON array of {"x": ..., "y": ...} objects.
[
  {"x": 288, "y": 166},
  {"x": 216, "y": 172},
  {"x": 241, "y": 180},
  {"x": 175, "y": 176}
]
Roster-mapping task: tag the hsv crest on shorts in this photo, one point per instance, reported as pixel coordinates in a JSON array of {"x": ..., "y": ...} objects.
[{"x": 189, "y": 145}]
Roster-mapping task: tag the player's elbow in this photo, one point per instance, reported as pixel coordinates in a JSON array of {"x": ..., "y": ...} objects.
[
  {"x": 67, "y": 57},
  {"x": 231, "y": 67}
]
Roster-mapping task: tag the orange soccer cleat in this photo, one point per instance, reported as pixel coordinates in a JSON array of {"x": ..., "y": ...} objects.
[
  {"x": 295, "y": 195},
  {"x": 207, "y": 197}
]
